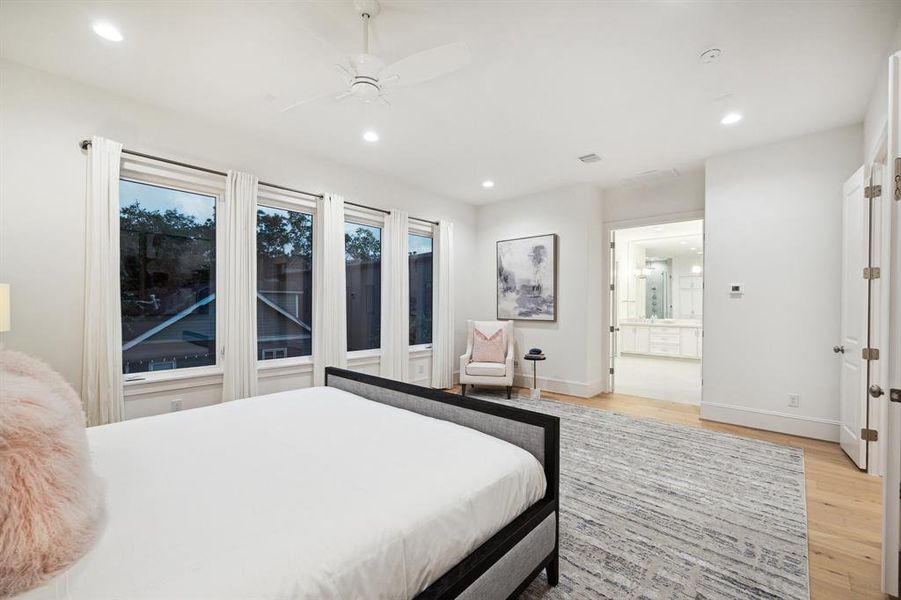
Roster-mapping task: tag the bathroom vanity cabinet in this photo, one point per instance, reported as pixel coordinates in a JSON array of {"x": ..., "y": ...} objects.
[{"x": 678, "y": 340}]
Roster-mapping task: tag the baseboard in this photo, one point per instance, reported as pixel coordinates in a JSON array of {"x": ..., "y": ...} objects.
[
  {"x": 561, "y": 386},
  {"x": 770, "y": 420}
]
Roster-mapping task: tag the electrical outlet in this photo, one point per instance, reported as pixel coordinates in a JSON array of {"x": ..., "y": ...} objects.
[
  {"x": 176, "y": 404},
  {"x": 794, "y": 400}
]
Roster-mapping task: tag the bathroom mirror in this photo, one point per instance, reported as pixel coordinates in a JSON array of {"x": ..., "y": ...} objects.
[{"x": 660, "y": 273}]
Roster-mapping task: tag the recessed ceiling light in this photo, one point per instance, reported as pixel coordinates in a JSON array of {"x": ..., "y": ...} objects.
[
  {"x": 683, "y": 242},
  {"x": 657, "y": 228},
  {"x": 696, "y": 269},
  {"x": 107, "y": 31},
  {"x": 692, "y": 248},
  {"x": 370, "y": 136},
  {"x": 487, "y": 184},
  {"x": 700, "y": 252},
  {"x": 731, "y": 118}
]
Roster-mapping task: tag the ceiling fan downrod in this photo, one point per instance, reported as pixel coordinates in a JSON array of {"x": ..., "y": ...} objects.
[{"x": 367, "y": 9}]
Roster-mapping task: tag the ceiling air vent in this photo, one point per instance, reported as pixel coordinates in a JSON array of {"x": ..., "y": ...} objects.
[
  {"x": 590, "y": 158},
  {"x": 650, "y": 177}
]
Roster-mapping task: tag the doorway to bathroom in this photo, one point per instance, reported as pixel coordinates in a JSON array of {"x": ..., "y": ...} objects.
[{"x": 657, "y": 305}]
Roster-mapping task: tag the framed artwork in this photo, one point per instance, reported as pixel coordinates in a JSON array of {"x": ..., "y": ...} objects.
[{"x": 527, "y": 278}]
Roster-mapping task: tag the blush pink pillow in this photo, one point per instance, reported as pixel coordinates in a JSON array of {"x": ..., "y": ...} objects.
[
  {"x": 488, "y": 348},
  {"x": 51, "y": 502}
]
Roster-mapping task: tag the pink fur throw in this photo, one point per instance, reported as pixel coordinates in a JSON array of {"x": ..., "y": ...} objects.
[
  {"x": 488, "y": 348},
  {"x": 51, "y": 502}
]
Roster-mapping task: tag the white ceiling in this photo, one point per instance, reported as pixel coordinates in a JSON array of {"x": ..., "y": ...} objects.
[{"x": 549, "y": 81}]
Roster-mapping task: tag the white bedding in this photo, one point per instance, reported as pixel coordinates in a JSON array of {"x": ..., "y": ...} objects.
[{"x": 313, "y": 493}]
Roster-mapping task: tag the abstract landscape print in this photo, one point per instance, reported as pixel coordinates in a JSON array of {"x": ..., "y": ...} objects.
[{"x": 527, "y": 278}]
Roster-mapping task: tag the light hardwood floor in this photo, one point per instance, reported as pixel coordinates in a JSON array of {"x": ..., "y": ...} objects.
[{"x": 844, "y": 506}]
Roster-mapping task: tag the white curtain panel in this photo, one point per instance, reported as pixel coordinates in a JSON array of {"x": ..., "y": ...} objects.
[
  {"x": 238, "y": 312},
  {"x": 395, "y": 332},
  {"x": 329, "y": 291},
  {"x": 101, "y": 372},
  {"x": 443, "y": 305}
]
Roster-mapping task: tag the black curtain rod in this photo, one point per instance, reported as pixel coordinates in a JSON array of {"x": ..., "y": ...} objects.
[
  {"x": 85, "y": 144},
  {"x": 387, "y": 212}
]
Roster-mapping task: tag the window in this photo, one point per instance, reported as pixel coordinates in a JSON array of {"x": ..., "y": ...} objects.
[
  {"x": 363, "y": 268},
  {"x": 284, "y": 283},
  {"x": 167, "y": 277},
  {"x": 420, "y": 289},
  {"x": 268, "y": 353}
]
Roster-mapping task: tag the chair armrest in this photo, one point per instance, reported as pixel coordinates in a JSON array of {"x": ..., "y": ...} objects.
[{"x": 465, "y": 360}]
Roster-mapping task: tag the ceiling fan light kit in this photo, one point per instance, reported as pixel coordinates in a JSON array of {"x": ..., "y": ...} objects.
[{"x": 368, "y": 79}]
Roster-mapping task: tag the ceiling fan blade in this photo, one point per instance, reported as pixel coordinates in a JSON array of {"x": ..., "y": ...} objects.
[
  {"x": 335, "y": 94},
  {"x": 428, "y": 64}
]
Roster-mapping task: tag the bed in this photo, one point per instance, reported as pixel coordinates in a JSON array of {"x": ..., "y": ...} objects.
[{"x": 364, "y": 488}]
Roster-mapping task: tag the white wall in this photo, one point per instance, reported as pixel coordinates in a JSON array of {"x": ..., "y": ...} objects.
[
  {"x": 42, "y": 225},
  {"x": 573, "y": 344},
  {"x": 578, "y": 344},
  {"x": 877, "y": 110},
  {"x": 682, "y": 194},
  {"x": 773, "y": 222}
]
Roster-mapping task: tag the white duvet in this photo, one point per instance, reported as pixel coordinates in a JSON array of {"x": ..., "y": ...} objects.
[{"x": 313, "y": 493}]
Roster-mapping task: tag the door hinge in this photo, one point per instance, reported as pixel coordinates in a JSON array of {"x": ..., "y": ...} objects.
[
  {"x": 612, "y": 245},
  {"x": 894, "y": 395},
  {"x": 611, "y": 370},
  {"x": 612, "y": 329},
  {"x": 870, "y": 353},
  {"x": 872, "y": 272},
  {"x": 872, "y": 191},
  {"x": 869, "y": 435},
  {"x": 612, "y": 287},
  {"x": 898, "y": 178}
]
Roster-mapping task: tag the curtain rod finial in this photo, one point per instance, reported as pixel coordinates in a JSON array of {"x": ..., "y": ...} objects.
[{"x": 84, "y": 144}]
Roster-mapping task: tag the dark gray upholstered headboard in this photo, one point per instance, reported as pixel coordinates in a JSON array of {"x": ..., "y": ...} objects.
[{"x": 522, "y": 428}]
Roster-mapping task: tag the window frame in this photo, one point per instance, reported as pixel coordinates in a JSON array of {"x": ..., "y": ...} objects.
[
  {"x": 148, "y": 171},
  {"x": 423, "y": 229},
  {"x": 286, "y": 200},
  {"x": 371, "y": 218}
]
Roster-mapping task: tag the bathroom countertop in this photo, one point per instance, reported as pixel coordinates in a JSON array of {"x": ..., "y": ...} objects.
[{"x": 661, "y": 323}]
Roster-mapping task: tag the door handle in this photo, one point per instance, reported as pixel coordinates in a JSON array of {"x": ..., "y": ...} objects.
[
  {"x": 876, "y": 391},
  {"x": 838, "y": 349}
]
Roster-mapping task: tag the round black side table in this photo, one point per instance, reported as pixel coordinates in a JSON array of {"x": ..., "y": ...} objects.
[{"x": 536, "y": 393}]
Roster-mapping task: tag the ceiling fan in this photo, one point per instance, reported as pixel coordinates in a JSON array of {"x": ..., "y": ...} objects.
[{"x": 368, "y": 79}]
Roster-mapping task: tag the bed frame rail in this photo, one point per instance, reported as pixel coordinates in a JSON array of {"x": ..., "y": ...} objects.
[{"x": 506, "y": 564}]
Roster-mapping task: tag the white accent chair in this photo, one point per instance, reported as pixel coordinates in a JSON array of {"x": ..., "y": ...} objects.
[{"x": 488, "y": 373}]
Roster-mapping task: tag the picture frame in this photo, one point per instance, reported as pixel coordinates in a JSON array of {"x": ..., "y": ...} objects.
[{"x": 526, "y": 278}]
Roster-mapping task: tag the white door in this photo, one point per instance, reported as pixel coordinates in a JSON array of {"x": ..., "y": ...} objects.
[
  {"x": 855, "y": 256},
  {"x": 891, "y": 506}
]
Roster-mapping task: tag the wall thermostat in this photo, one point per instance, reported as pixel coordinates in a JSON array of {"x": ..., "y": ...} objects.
[{"x": 736, "y": 289}]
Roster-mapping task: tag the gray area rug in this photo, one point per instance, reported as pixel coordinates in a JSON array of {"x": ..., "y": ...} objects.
[{"x": 651, "y": 510}]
